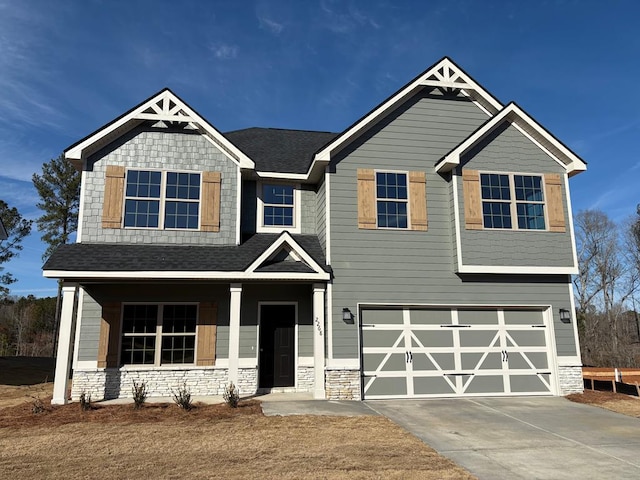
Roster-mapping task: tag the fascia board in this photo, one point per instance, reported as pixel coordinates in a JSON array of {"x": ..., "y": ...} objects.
[
  {"x": 285, "y": 237},
  {"x": 184, "y": 275}
]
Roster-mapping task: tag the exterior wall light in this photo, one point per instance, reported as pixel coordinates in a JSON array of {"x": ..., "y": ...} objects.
[
  {"x": 347, "y": 316},
  {"x": 565, "y": 315}
]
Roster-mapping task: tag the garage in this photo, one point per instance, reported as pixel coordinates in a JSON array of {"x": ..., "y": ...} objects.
[{"x": 448, "y": 352}]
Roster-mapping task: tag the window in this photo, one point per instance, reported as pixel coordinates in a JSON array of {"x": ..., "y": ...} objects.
[
  {"x": 508, "y": 196},
  {"x": 391, "y": 200},
  {"x": 278, "y": 205},
  {"x": 170, "y": 327},
  {"x": 162, "y": 200}
]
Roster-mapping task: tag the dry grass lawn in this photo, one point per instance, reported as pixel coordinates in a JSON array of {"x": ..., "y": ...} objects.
[
  {"x": 211, "y": 441},
  {"x": 616, "y": 402}
]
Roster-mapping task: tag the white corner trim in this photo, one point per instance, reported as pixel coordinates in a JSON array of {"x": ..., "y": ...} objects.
[
  {"x": 185, "y": 275},
  {"x": 238, "y": 205},
  {"x": 327, "y": 214},
  {"x": 517, "y": 269},
  {"x": 574, "y": 320},
  {"x": 570, "y": 221},
  {"x": 456, "y": 215},
  {"x": 83, "y": 179}
]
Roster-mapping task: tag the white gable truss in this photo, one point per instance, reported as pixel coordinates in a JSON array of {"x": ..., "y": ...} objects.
[
  {"x": 513, "y": 114},
  {"x": 444, "y": 74},
  {"x": 286, "y": 242},
  {"x": 164, "y": 107}
]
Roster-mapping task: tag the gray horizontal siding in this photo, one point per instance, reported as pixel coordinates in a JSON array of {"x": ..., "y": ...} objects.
[
  {"x": 378, "y": 266},
  {"x": 508, "y": 150},
  {"x": 91, "y": 315},
  {"x": 308, "y": 209}
]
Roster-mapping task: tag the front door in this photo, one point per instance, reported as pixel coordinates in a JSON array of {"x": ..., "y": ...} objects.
[{"x": 277, "y": 345}]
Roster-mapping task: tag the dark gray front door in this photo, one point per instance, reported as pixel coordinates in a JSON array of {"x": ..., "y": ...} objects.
[{"x": 277, "y": 345}]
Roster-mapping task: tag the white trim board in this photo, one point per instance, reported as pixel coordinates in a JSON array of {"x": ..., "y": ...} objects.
[{"x": 186, "y": 275}]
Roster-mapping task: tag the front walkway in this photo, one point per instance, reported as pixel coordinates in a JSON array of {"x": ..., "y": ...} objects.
[{"x": 532, "y": 437}]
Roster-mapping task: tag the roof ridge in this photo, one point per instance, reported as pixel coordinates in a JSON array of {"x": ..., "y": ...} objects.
[{"x": 283, "y": 129}]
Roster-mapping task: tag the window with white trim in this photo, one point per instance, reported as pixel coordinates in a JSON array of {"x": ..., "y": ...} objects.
[
  {"x": 392, "y": 200},
  {"x": 158, "y": 334},
  {"x": 506, "y": 196},
  {"x": 278, "y": 205},
  {"x": 165, "y": 200}
]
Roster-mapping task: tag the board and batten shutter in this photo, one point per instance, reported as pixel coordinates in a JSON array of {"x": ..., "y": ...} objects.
[
  {"x": 555, "y": 209},
  {"x": 366, "y": 199},
  {"x": 109, "y": 343},
  {"x": 113, "y": 197},
  {"x": 472, "y": 202},
  {"x": 418, "y": 200},
  {"x": 210, "y": 220},
  {"x": 207, "y": 319}
]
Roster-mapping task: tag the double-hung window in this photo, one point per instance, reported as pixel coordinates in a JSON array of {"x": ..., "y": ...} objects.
[
  {"x": 278, "y": 207},
  {"x": 158, "y": 334},
  {"x": 169, "y": 200},
  {"x": 512, "y": 196},
  {"x": 391, "y": 200}
]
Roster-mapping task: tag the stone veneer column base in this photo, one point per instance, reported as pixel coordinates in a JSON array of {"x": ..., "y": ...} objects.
[
  {"x": 341, "y": 384},
  {"x": 305, "y": 379},
  {"x": 109, "y": 383},
  {"x": 570, "y": 380}
]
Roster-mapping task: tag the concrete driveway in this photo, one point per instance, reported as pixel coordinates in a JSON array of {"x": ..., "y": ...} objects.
[{"x": 533, "y": 437}]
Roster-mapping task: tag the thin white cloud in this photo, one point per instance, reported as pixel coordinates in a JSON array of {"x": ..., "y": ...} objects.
[
  {"x": 224, "y": 51},
  {"x": 270, "y": 25}
]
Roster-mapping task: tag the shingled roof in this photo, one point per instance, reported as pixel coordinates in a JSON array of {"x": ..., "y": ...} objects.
[
  {"x": 278, "y": 150},
  {"x": 104, "y": 257}
]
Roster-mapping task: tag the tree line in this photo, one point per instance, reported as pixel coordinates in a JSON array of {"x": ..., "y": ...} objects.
[{"x": 606, "y": 289}]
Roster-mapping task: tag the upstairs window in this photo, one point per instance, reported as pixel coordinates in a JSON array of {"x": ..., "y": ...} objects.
[
  {"x": 278, "y": 205},
  {"x": 166, "y": 200},
  {"x": 391, "y": 200},
  {"x": 509, "y": 196}
]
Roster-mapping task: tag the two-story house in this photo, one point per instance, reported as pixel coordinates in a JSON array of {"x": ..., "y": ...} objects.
[{"x": 425, "y": 251}]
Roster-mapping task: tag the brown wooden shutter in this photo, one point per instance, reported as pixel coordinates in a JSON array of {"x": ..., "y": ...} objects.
[
  {"x": 113, "y": 197},
  {"x": 418, "y": 200},
  {"x": 210, "y": 202},
  {"x": 472, "y": 202},
  {"x": 555, "y": 209},
  {"x": 366, "y": 199},
  {"x": 207, "y": 319},
  {"x": 109, "y": 343}
]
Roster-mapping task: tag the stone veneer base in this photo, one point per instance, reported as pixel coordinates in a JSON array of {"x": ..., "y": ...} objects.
[
  {"x": 341, "y": 384},
  {"x": 570, "y": 380}
]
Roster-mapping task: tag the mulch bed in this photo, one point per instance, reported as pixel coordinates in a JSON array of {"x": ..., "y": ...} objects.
[{"x": 21, "y": 416}]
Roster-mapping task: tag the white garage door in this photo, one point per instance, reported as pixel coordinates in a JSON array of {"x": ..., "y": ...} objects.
[{"x": 455, "y": 352}]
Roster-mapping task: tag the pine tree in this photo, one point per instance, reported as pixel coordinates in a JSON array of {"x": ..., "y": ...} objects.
[{"x": 16, "y": 229}]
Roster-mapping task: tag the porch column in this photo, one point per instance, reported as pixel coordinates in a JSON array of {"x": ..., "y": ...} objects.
[
  {"x": 318, "y": 339},
  {"x": 65, "y": 344},
  {"x": 234, "y": 331}
]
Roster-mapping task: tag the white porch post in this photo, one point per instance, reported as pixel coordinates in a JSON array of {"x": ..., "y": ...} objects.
[
  {"x": 318, "y": 339},
  {"x": 65, "y": 343},
  {"x": 234, "y": 331}
]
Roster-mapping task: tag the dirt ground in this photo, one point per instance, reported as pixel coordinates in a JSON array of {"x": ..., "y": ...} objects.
[
  {"x": 211, "y": 441},
  {"x": 616, "y": 402}
]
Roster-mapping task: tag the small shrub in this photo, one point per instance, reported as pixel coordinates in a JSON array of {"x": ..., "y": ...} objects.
[
  {"x": 139, "y": 394},
  {"x": 85, "y": 401},
  {"x": 231, "y": 395},
  {"x": 37, "y": 406},
  {"x": 182, "y": 397}
]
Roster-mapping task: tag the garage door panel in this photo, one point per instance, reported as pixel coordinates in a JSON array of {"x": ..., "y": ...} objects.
[
  {"x": 395, "y": 362},
  {"x": 386, "y": 386},
  {"x": 477, "y": 317},
  {"x": 522, "y": 317},
  {"x": 444, "y": 361},
  {"x": 382, "y": 338},
  {"x": 431, "y": 317},
  {"x": 421, "y": 362},
  {"x": 478, "y": 338},
  {"x": 431, "y": 338},
  {"x": 387, "y": 317},
  {"x": 485, "y": 384},
  {"x": 528, "y": 360},
  {"x": 529, "y": 383},
  {"x": 432, "y": 386},
  {"x": 473, "y": 361},
  {"x": 523, "y": 338}
]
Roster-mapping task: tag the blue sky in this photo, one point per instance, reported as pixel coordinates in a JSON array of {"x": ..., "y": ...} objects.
[{"x": 68, "y": 67}]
